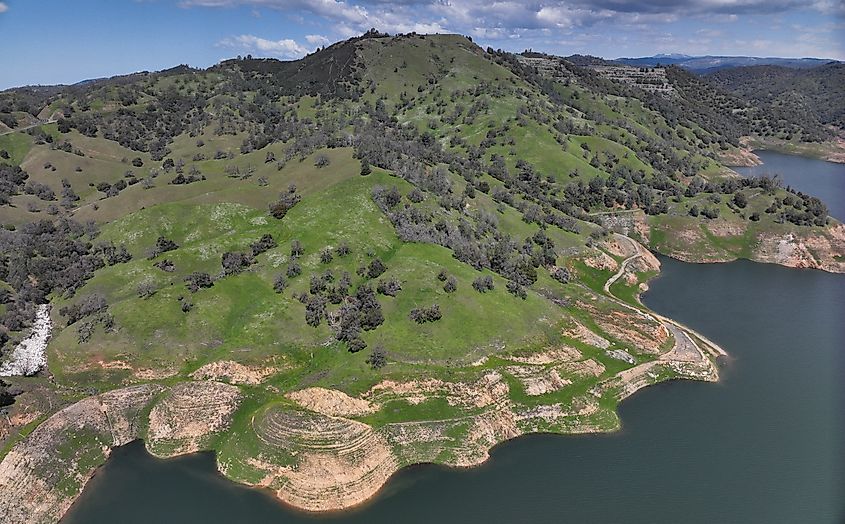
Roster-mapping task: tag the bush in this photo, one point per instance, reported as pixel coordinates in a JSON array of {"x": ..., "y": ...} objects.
[
  {"x": 163, "y": 245},
  {"x": 483, "y": 284},
  {"x": 234, "y": 262},
  {"x": 451, "y": 285},
  {"x": 265, "y": 243},
  {"x": 376, "y": 268},
  {"x": 561, "y": 274},
  {"x": 146, "y": 289},
  {"x": 197, "y": 280},
  {"x": 389, "y": 287},
  {"x": 516, "y": 290},
  {"x": 377, "y": 358},
  {"x": 426, "y": 314},
  {"x": 322, "y": 160},
  {"x": 280, "y": 283}
]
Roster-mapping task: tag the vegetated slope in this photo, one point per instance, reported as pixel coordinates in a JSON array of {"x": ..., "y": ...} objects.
[
  {"x": 818, "y": 91},
  {"x": 415, "y": 241},
  {"x": 708, "y": 64}
]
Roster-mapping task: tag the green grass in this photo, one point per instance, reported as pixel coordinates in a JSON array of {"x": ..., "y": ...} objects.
[{"x": 17, "y": 145}]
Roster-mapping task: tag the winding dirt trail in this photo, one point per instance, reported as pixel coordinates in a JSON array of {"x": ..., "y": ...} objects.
[{"x": 684, "y": 343}]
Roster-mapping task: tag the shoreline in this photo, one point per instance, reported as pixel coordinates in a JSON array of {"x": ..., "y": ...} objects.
[{"x": 710, "y": 355}]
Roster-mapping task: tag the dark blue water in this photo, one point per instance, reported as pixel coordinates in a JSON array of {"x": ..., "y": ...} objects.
[
  {"x": 825, "y": 180},
  {"x": 764, "y": 445}
]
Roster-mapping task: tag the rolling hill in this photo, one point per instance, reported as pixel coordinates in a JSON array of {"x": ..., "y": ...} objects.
[{"x": 398, "y": 249}]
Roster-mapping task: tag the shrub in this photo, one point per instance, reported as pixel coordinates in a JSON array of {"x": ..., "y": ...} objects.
[
  {"x": 377, "y": 358},
  {"x": 265, "y": 243},
  {"x": 389, "y": 287},
  {"x": 376, "y": 268},
  {"x": 294, "y": 269},
  {"x": 451, "y": 285},
  {"x": 197, "y": 280},
  {"x": 515, "y": 289},
  {"x": 426, "y": 314},
  {"x": 163, "y": 245},
  {"x": 483, "y": 284},
  {"x": 280, "y": 283},
  {"x": 146, "y": 289},
  {"x": 235, "y": 262},
  {"x": 561, "y": 274}
]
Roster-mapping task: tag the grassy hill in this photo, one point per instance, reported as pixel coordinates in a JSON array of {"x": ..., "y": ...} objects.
[{"x": 400, "y": 243}]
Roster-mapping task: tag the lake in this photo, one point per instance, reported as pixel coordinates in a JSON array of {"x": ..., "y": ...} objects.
[
  {"x": 764, "y": 445},
  {"x": 825, "y": 180}
]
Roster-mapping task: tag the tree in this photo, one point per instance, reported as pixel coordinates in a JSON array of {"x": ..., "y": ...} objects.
[
  {"x": 451, "y": 285},
  {"x": 426, "y": 314},
  {"x": 146, "y": 289},
  {"x": 286, "y": 201},
  {"x": 322, "y": 160},
  {"x": 280, "y": 283},
  {"x": 315, "y": 310},
  {"x": 740, "y": 200},
  {"x": 265, "y": 243},
  {"x": 389, "y": 287},
  {"x": 296, "y": 248},
  {"x": 365, "y": 167},
  {"x": 197, "y": 280},
  {"x": 483, "y": 284},
  {"x": 235, "y": 262},
  {"x": 163, "y": 245},
  {"x": 515, "y": 289},
  {"x": 377, "y": 358},
  {"x": 376, "y": 268},
  {"x": 294, "y": 269}
]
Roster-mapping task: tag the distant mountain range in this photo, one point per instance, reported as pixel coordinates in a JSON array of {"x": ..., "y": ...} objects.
[{"x": 709, "y": 64}]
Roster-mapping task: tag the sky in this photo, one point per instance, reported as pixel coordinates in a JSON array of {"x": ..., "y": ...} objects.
[{"x": 66, "y": 41}]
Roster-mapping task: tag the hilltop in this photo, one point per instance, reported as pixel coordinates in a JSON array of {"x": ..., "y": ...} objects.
[{"x": 398, "y": 249}]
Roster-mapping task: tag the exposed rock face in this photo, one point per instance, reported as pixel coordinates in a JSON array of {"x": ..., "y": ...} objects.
[
  {"x": 331, "y": 402},
  {"x": 188, "y": 413},
  {"x": 801, "y": 249},
  {"x": 337, "y": 462},
  {"x": 39, "y": 483},
  {"x": 233, "y": 372}
]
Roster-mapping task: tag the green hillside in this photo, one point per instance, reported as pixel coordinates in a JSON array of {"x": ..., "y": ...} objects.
[{"x": 403, "y": 245}]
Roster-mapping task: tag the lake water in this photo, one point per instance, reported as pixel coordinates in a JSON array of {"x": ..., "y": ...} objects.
[
  {"x": 764, "y": 445},
  {"x": 825, "y": 180}
]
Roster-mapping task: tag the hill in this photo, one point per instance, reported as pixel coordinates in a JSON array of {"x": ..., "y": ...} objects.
[
  {"x": 398, "y": 249},
  {"x": 709, "y": 64},
  {"x": 817, "y": 91}
]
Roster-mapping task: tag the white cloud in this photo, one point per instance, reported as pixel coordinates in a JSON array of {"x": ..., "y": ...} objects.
[
  {"x": 284, "y": 48},
  {"x": 317, "y": 39},
  {"x": 3, "y": 7}
]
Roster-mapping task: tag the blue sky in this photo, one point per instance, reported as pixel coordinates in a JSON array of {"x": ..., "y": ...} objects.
[{"x": 64, "y": 41}]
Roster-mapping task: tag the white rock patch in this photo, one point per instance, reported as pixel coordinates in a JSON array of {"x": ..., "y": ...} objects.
[{"x": 31, "y": 354}]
